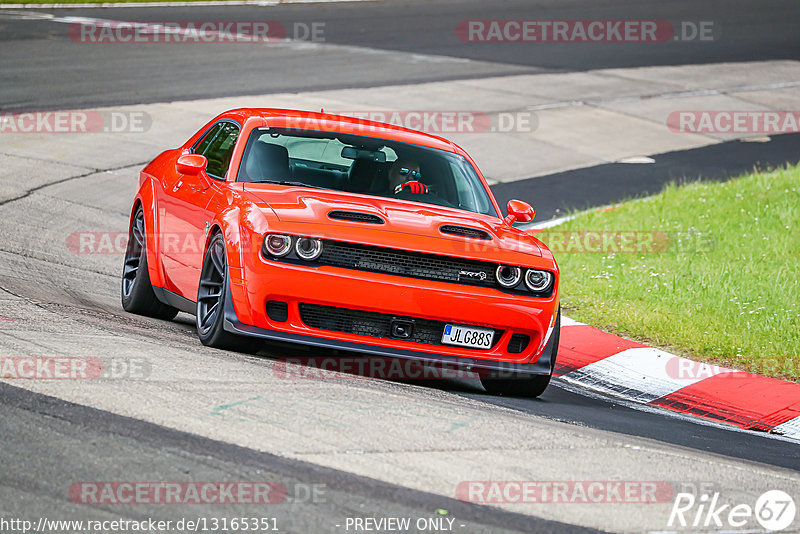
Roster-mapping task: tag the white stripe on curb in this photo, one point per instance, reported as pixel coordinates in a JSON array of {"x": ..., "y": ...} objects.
[
  {"x": 641, "y": 374},
  {"x": 790, "y": 429},
  {"x": 566, "y": 321}
]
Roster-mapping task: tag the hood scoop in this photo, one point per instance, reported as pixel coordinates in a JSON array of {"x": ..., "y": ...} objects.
[
  {"x": 355, "y": 216},
  {"x": 465, "y": 231}
]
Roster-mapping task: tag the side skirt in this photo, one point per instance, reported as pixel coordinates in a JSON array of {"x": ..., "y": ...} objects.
[{"x": 175, "y": 300}]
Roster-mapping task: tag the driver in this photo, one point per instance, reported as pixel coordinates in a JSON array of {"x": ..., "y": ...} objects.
[{"x": 404, "y": 176}]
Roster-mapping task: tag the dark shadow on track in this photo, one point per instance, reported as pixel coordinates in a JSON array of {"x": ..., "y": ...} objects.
[
  {"x": 77, "y": 443},
  {"x": 605, "y": 413},
  {"x": 560, "y": 404}
]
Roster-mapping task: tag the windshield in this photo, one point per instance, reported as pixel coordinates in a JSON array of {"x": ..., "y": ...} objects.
[{"x": 364, "y": 165}]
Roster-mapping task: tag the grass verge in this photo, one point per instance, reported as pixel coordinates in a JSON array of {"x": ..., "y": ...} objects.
[{"x": 710, "y": 270}]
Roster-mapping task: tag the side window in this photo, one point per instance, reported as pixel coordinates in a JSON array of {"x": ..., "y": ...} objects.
[
  {"x": 203, "y": 144},
  {"x": 217, "y": 147},
  {"x": 468, "y": 187}
]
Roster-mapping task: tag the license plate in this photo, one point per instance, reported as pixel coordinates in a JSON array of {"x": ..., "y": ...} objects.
[{"x": 468, "y": 336}]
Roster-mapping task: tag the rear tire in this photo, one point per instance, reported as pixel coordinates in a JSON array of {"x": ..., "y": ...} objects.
[
  {"x": 525, "y": 385},
  {"x": 212, "y": 293},
  {"x": 137, "y": 292}
]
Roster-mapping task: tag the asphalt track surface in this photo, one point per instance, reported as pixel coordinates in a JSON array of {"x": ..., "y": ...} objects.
[
  {"x": 558, "y": 194},
  {"x": 115, "y": 444},
  {"x": 50, "y": 441},
  {"x": 41, "y": 68}
]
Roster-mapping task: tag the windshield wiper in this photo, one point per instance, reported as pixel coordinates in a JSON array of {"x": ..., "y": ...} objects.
[{"x": 287, "y": 182}]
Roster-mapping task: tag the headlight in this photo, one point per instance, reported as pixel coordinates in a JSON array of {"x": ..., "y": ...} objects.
[
  {"x": 538, "y": 281},
  {"x": 308, "y": 248},
  {"x": 277, "y": 245},
  {"x": 508, "y": 276}
]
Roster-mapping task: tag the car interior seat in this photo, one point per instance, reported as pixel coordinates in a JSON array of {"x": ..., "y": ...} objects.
[
  {"x": 362, "y": 175},
  {"x": 268, "y": 161}
]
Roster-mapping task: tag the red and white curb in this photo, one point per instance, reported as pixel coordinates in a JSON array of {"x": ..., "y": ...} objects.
[{"x": 616, "y": 366}]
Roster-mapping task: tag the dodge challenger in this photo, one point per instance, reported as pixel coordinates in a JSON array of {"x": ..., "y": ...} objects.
[{"x": 340, "y": 233}]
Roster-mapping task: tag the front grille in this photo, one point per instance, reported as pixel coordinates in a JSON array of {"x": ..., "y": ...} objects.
[
  {"x": 355, "y": 216},
  {"x": 411, "y": 264},
  {"x": 373, "y": 324},
  {"x": 465, "y": 231}
]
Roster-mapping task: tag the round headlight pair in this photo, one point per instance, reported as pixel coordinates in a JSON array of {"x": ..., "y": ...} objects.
[
  {"x": 308, "y": 248},
  {"x": 537, "y": 281},
  {"x": 508, "y": 276},
  {"x": 279, "y": 245}
]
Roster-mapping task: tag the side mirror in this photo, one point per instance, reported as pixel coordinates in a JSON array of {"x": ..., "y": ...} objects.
[
  {"x": 519, "y": 211},
  {"x": 191, "y": 164}
]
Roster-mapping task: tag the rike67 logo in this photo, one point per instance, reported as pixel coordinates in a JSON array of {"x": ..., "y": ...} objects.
[{"x": 774, "y": 510}]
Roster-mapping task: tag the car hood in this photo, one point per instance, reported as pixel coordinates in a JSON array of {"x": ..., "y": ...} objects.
[{"x": 299, "y": 205}]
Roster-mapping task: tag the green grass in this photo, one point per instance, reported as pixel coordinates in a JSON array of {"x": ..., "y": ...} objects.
[{"x": 726, "y": 289}]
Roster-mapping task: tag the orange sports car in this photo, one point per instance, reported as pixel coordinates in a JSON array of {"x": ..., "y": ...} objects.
[{"x": 336, "y": 232}]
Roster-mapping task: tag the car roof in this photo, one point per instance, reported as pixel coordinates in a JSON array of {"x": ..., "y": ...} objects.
[{"x": 321, "y": 121}]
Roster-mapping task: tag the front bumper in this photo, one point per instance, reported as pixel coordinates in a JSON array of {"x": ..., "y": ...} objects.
[
  {"x": 262, "y": 280},
  {"x": 543, "y": 365}
]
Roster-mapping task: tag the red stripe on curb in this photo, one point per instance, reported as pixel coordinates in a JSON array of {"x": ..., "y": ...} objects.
[
  {"x": 581, "y": 345},
  {"x": 745, "y": 400}
]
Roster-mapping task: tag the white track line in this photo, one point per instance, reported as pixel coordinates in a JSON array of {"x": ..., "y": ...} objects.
[
  {"x": 158, "y": 28},
  {"x": 262, "y": 3}
]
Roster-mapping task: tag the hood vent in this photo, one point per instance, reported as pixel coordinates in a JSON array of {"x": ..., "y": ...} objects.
[
  {"x": 356, "y": 216},
  {"x": 465, "y": 231}
]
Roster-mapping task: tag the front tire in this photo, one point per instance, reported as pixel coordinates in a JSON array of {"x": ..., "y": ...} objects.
[
  {"x": 525, "y": 385},
  {"x": 212, "y": 293},
  {"x": 137, "y": 292}
]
